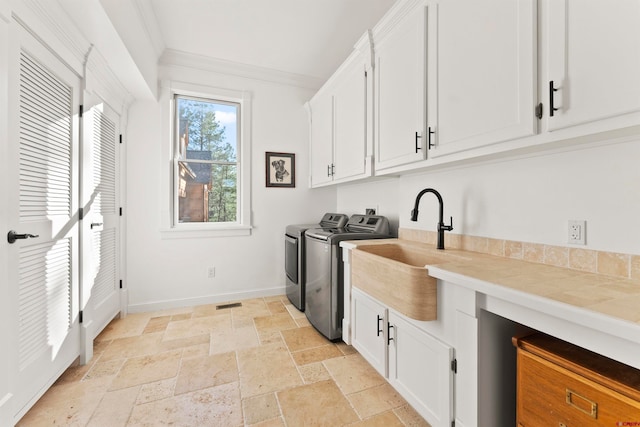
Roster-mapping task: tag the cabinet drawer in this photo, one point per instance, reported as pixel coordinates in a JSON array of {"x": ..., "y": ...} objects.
[{"x": 550, "y": 394}]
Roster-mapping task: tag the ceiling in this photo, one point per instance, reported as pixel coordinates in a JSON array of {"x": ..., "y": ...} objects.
[{"x": 304, "y": 37}]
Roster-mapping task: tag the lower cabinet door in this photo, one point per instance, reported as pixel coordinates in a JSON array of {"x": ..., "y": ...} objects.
[
  {"x": 420, "y": 370},
  {"x": 369, "y": 330}
]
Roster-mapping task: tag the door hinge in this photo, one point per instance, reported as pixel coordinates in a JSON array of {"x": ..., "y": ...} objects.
[
  {"x": 539, "y": 111},
  {"x": 454, "y": 366},
  {"x": 120, "y": 211},
  {"x": 81, "y": 110},
  {"x": 365, "y": 73},
  {"x": 81, "y": 213},
  {"x": 120, "y": 283},
  {"x": 81, "y": 316},
  {"x": 120, "y": 138}
]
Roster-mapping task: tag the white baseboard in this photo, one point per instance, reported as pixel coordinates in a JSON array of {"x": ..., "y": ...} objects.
[
  {"x": 346, "y": 331},
  {"x": 6, "y": 412},
  {"x": 209, "y": 299}
]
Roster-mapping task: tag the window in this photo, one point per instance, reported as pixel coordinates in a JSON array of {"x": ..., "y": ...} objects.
[{"x": 208, "y": 151}]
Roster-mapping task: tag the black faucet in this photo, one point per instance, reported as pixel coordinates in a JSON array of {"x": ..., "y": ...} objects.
[{"x": 441, "y": 227}]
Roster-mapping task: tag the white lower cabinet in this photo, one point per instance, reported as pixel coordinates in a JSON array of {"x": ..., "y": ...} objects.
[
  {"x": 416, "y": 364},
  {"x": 369, "y": 330}
]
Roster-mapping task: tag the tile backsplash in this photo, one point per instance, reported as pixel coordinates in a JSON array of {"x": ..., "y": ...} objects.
[{"x": 591, "y": 261}]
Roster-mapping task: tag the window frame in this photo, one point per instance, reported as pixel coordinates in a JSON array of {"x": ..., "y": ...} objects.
[{"x": 242, "y": 225}]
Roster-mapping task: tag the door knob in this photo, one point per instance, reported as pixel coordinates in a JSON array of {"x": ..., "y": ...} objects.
[{"x": 12, "y": 236}]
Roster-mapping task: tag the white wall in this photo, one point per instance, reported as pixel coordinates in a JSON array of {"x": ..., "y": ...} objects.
[
  {"x": 169, "y": 272},
  {"x": 526, "y": 199}
]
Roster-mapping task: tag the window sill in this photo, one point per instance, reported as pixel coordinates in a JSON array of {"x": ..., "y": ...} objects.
[{"x": 205, "y": 232}]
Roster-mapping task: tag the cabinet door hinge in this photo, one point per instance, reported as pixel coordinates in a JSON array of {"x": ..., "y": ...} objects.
[
  {"x": 120, "y": 138},
  {"x": 539, "y": 111},
  {"x": 120, "y": 283},
  {"x": 81, "y": 316},
  {"x": 81, "y": 213},
  {"x": 454, "y": 366},
  {"x": 81, "y": 110},
  {"x": 120, "y": 211}
]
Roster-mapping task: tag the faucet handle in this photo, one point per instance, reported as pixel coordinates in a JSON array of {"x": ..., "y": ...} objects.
[{"x": 450, "y": 226}]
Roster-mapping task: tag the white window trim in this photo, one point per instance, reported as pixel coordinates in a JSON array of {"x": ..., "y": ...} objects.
[{"x": 170, "y": 228}]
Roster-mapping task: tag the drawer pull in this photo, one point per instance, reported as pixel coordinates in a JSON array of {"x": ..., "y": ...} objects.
[{"x": 582, "y": 404}]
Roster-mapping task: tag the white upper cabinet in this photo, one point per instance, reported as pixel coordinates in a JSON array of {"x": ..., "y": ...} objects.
[
  {"x": 340, "y": 122},
  {"x": 591, "y": 56},
  {"x": 400, "y": 42},
  {"x": 455, "y": 79},
  {"x": 350, "y": 121},
  {"x": 482, "y": 79},
  {"x": 321, "y": 122}
]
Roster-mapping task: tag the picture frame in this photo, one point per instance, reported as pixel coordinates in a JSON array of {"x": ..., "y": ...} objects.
[{"x": 280, "y": 169}]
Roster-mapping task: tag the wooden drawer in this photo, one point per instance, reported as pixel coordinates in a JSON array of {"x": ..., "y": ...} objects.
[{"x": 561, "y": 385}]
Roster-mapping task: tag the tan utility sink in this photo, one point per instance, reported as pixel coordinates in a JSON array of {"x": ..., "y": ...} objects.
[{"x": 395, "y": 275}]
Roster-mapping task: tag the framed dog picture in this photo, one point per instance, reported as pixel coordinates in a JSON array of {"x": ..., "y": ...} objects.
[{"x": 281, "y": 169}]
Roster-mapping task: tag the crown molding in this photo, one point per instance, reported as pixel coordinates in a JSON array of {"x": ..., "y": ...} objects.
[
  {"x": 171, "y": 57},
  {"x": 100, "y": 79},
  {"x": 48, "y": 22},
  {"x": 395, "y": 15},
  {"x": 147, "y": 16}
]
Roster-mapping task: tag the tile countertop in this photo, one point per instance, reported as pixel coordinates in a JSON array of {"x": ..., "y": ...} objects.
[{"x": 606, "y": 304}]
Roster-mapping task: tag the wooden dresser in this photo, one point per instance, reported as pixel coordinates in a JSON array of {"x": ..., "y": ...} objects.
[{"x": 562, "y": 385}]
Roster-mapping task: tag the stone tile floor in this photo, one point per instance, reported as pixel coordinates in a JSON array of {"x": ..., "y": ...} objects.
[{"x": 261, "y": 364}]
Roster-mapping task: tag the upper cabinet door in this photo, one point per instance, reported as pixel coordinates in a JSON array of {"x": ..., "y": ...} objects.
[
  {"x": 321, "y": 118},
  {"x": 593, "y": 61},
  {"x": 400, "y": 72},
  {"x": 482, "y": 84},
  {"x": 350, "y": 122}
]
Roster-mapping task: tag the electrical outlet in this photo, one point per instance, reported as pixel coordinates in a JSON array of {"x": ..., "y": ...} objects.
[
  {"x": 577, "y": 232},
  {"x": 211, "y": 272}
]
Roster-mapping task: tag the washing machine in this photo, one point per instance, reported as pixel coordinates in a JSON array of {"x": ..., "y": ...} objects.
[
  {"x": 294, "y": 264},
  {"x": 324, "y": 294}
]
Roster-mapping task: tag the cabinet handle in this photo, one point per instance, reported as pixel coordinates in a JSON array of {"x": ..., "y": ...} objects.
[
  {"x": 379, "y": 328},
  {"x": 418, "y": 147},
  {"x": 551, "y": 90},
  {"x": 331, "y": 170},
  {"x": 389, "y": 337},
  {"x": 590, "y": 407},
  {"x": 430, "y": 144}
]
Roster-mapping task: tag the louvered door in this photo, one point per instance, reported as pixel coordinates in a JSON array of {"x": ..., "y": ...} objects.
[
  {"x": 43, "y": 278},
  {"x": 100, "y": 230}
]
